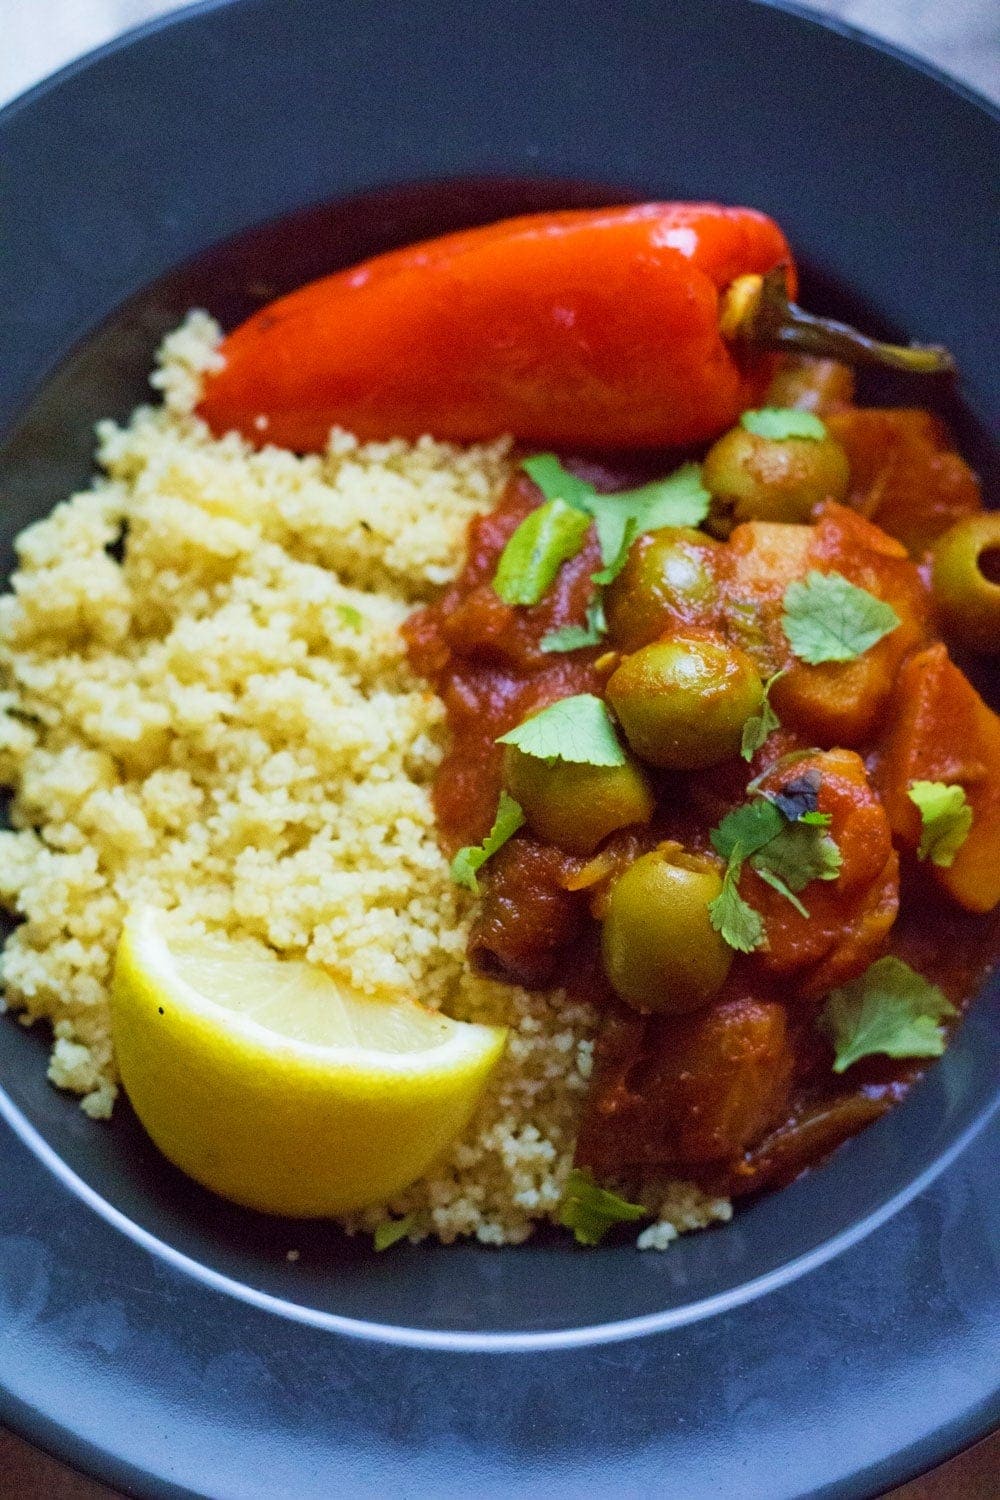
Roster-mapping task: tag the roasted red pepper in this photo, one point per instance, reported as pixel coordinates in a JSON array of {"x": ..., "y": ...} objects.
[{"x": 621, "y": 328}]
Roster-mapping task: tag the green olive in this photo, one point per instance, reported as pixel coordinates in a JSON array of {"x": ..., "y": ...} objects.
[
  {"x": 966, "y": 579},
  {"x": 660, "y": 950},
  {"x": 576, "y": 806},
  {"x": 683, "y": 702},
  {"x": 668, "y": 579},
  {"x": 754, "y": 478}
]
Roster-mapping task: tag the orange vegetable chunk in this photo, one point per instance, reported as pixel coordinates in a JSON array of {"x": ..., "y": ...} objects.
[
  {"x": 943, "y": 731},
  {"x": 832, "y": 703},
  {"x": 849, "y": 917},
  {"x": 905, "y": 474},
  {"x": 689, "y": 1090}
]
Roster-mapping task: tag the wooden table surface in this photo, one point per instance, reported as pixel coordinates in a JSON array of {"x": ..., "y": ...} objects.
[{"x": 961, "y": 36}]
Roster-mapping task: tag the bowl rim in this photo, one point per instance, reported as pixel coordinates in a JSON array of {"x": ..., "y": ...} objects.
[
  {"x": 72, "y": 1447},
  {"x": 457, "y": 1341},
  {"x": 877, "y": 43},
  {"x": 191, "y": 9},
  {"x": 454, "y": 1340}
]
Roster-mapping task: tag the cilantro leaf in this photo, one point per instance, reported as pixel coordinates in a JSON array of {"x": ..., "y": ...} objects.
[
  {"x": 472, "y": 857},
  {"x": 615, "y": 535},
  {"x": 783, "y": 838},
  {"x": 349, "y": 616},
  {"x": 531, "y": 559},
  {"x": 391, "y": 1230},
  {"x": 759, "y": 726},
  {"x": 749, "y": 827},
  {"x": 799, "y": 853},
  {"x": 828, "y": 619},
  {"x": 590, "y": 1211},
  {"x": 891, "y": 1009},
  {"x": 735, "y": 919},
  {"x": 945, "y": 819},
  {"x": 777, "y": 884},
  {"x": 783, "y": 422},
  {"x": 577, "y": 729},
  {"x": 557, "y": 483},
  {"x": 576, "y": 637},
  {"x": 678, "y": 500}
]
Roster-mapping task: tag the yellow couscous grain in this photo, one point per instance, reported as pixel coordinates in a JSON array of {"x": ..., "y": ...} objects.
[{"x": 205, "y": 706}]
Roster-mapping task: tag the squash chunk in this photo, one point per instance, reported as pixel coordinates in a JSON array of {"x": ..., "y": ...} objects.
[
  {"x": 832, "y": 703},
  {"x": 905, "y": 476},
  {"x": 943, "y": 731},
  {"x": 849, "y": 917},
  {"x": 689, "y": 1090}
]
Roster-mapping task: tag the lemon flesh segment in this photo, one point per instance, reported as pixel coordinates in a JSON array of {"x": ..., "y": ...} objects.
[{"x": 272, "y": 1084}]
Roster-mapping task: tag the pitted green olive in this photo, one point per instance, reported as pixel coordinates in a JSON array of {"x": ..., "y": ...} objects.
[
  {"x": 668, "y": 579},
  {"x": 683, "y": 702},
  {"x": 576, "y": 806},
  {"x": 660, "y": 950},
  {"x": 966, "y": 580},
  {"x": 755, "y": 478}
]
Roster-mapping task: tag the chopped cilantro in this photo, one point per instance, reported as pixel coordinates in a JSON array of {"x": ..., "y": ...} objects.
[
  {"x": 577, "y": 729},
  {"x": 349, "y": 616},
  {"x": 759, "y": 726},
  {"x": 678, "y": 500},
  {"x": 776, "y": 883},
  {"x": 576, "y": 637},
  {"x": 735, "y": 919},
  {"x": 590, "y": 1211},
  {"x": 555, "y": 482},
  {"x": 798, "y": 853},
  {"x": 616, "y": 534},
  {"x": 783, "y": 422},
  {"x": 945, "y": 819},
  {"x": 828, "y": 619},
  {"x": 472, "y": 857},
  {"x": 531, "y": 559},
  {"x": 891, "y": 1009},
  {"x": 749, "y": 828},
  {"x": 783, "y": 838},
  {"x": 390, "y": 1230}
]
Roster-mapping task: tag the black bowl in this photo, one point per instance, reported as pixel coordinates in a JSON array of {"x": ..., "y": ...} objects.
[{"x": 135, "y": 186}]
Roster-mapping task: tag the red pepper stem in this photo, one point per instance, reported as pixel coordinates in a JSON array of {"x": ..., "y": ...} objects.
[{"x": 756, "y": 310}]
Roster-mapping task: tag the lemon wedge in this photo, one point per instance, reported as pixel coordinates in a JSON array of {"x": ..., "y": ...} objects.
[{"x": 270, "y": 1083}]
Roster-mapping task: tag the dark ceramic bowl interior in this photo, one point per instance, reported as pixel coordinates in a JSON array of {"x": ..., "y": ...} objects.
[{"x": 172, "y": 219}]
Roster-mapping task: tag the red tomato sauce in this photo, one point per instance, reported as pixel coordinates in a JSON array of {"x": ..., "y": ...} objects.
[{"x": 740, "y": 1095}]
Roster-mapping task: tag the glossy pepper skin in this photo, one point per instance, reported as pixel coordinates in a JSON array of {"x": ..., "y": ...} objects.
[{"x": 582, "y": 329}]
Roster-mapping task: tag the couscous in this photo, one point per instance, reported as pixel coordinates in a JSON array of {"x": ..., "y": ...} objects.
[{"x": 207, "y": 707}]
